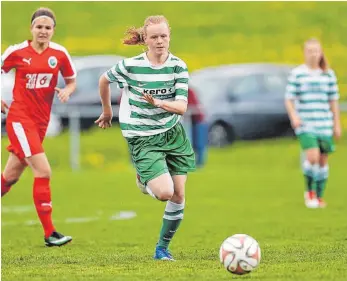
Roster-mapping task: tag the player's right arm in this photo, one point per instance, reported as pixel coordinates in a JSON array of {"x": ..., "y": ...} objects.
[
  {"x": 9, "y": 59},
  {"x": 105, "y": 96},
  {"x": 290, "y": 96},
  {"x": 8, "y": 62},
  {"x": 114, "y": 74}
]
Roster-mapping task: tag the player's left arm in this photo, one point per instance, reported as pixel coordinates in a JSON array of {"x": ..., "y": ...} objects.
[
  {"x": 333, "y": 96},
  {"x": 180, "y": 105},
  {"x": 68, "y": 71}
]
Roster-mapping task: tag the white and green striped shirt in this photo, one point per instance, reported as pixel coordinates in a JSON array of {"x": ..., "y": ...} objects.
[
  {"x": 137, "y": 76},
  {"x": 312, "y": 91}
]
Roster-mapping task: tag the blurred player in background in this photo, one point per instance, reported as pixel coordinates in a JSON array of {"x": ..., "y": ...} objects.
[
  {"x": 37, "y": 63},
  {"x": 155, "y": 90},
  {"x": 312, "y": 105}
]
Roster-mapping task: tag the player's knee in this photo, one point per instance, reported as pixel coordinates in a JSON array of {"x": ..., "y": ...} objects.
[
  {"x": 43, "y": 172},
  {"x": 11, "y": 181},
  {"x": 312, "y": 157},
  {"x": 165, "y": 194},
  {"x": 10, "y": 177},
  {"x": 179, "y": 195}
]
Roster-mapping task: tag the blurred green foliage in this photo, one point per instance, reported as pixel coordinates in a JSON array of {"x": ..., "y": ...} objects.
[{"x": 203, "y": 33}]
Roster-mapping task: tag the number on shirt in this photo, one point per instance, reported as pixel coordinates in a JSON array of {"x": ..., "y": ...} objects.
[{"x": 36, "y": 81}]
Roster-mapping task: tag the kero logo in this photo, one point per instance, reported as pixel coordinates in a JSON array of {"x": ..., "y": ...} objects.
[{"x": 163, "y": 91}]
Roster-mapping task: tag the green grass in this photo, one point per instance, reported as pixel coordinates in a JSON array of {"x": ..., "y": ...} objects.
[
  {"x": 251, "y": 187},
  {"x": 203, "y": 34}
]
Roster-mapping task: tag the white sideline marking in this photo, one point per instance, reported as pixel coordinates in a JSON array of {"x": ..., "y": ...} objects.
[
  {"x": 80, "y": 220},
  {"x": 17, "y": 209},
  {"x": 123, "y": 215},
  {"x": 4, "y": 223},
  {"x": 32, "y": 222}
]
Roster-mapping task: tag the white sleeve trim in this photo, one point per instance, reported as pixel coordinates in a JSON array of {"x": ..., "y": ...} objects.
[{"x": 63, "y": 49}]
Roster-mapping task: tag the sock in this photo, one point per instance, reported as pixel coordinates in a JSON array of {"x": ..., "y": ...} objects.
[
  {"x": 321, "y": 180},
  {"x": 43, "y": 204},
  {"x": 5, "y": 186},
  {"x": 310, "y": 172},
  {"x": 315, "y": 172},
  {"x": 307, "y": 170},
  {"x": 171, "y": 221}
]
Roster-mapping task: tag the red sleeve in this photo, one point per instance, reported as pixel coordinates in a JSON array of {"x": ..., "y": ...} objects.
[
  {"x": 8, "y": 59},
  {"x": 67, "y": 67}
]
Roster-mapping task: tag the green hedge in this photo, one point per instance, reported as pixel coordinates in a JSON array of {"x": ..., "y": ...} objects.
[{"x": 203, "y": 33}]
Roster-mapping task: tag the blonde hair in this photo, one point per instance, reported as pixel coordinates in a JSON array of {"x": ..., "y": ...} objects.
[
  {"x": 135, "y": 36},
  {"x": 323, "y": 62}
]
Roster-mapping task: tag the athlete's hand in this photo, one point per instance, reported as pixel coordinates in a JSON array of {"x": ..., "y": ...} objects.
[
  {"x": 296, "y": 122},
  {"x": 337, "y": 131},
  {"x": 63, "y": 95},
  {"x": 4, "y": 107},
  {"x": 105, "y": 119},
  {"x": 151, "y": 100}
]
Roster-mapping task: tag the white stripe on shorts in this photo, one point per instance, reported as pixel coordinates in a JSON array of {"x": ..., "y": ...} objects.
[{"x": 22, "y": 138}]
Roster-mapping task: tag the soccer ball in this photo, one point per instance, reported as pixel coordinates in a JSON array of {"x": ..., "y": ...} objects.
[{"x": 240, "y": 254}]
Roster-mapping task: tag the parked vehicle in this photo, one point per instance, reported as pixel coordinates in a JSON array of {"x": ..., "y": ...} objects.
[
  {"x": 243, "y": 101},
  {"x": 86, "y": 98}
]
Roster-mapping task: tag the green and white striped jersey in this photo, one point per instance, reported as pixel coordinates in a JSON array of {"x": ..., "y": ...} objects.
[
  {"x": 137, "y": 76},
  {"x": 312, "y": 91}
]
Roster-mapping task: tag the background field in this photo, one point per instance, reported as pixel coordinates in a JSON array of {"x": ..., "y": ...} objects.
[
  {"x": 253, "y": 188},
  {"x": 250, "y": 187},
  {"x": 203, "y": 34}
]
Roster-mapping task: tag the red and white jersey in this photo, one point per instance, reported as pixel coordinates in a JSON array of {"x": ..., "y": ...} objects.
[{"x": 36, "y": 78}]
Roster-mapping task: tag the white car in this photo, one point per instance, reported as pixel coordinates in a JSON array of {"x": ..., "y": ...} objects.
[{"x": 86, "y": 99}]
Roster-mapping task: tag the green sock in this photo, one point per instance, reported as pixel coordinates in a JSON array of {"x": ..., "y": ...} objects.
[
  {"x": 171, "y": 221},
  {"x": 322, "y": 180},
  {"x": 309, "y": 183},
  {"x": 311, "y": 173}
]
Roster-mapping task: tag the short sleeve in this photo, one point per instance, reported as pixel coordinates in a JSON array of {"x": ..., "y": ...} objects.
[
  {"x": 117, "y": 74},
  {"x": 292, "y": 87},
  {"x": 67, "y": 67},
  {"x": 9, "y": 59},
  {"x": 333, "y": 93},
  {"x": 181, "y": 81}
]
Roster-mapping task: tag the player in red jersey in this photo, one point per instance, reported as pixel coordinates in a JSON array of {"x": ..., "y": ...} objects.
[{"x": 37, "y": 63}]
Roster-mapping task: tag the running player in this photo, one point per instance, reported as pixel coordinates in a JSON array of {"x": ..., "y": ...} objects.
[
  {"x": 312, "y": 104},
  {"x": 37, "y": 63},
  {"x": 155, "y": 94}
]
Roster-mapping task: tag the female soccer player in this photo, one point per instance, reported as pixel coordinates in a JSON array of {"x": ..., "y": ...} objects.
[
  {"x": 37, "y": 63},
  {"x": 312, "y": 105},
  {"x": 155, "y": 94}
]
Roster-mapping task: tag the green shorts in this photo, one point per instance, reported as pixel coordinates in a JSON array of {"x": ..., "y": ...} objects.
[
  {"x": 325, "y": 144},
  {"x": 155, "y": 155}
]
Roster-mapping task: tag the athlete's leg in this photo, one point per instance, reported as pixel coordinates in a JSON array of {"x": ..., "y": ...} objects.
[
  {"x": 180, "y": 160},
  {"x": 11, "y": 174},
  {"x": 161, "y": 187},
  {"x": 42, "y": 198},
  {"x": 309, "y": 143},
  {"x": 173, "y": 211},
  {"x": 322, "y": 178}
]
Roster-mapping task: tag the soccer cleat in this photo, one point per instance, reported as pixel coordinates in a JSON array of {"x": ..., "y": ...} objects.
[
  {"x": 321, "y": 203},
  {"x": 311, "y": 200},
  {"x": 57, "y": 239},
  {"x": 140, "y": 185},
  {"x": 162, "y": 254}
]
